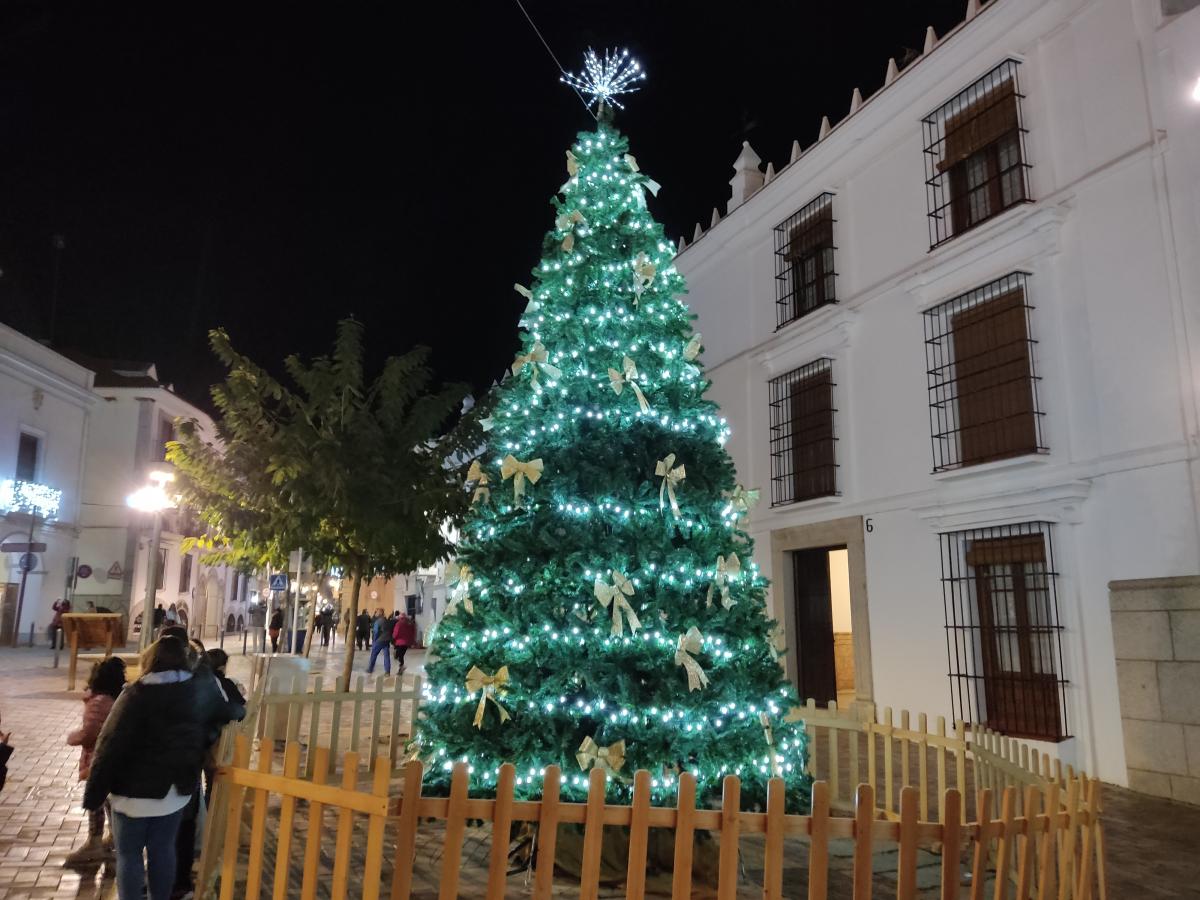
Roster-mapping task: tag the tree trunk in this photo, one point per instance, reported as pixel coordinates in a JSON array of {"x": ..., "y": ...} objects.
[{"x": 348, "y": 665}]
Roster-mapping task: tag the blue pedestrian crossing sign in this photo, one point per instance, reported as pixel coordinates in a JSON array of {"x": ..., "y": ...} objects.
[{"x": 279, "y": 582}]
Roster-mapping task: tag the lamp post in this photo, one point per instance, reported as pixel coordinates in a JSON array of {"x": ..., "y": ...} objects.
[{"x": 151, "y": 498}]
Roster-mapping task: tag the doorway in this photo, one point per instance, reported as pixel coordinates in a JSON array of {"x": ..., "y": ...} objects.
[
  {"x": 823, "y": 628},
  {"x": 8, "y": 612}
]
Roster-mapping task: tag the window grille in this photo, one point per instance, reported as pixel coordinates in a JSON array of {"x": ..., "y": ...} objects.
[
  {"x": 803, "y": 462},
  {"x": 975, "y": 159},
  {"x": 1003, "y": 630},
  {"x": 804, "y": 261},
  {"x": 983, "y": 383}
]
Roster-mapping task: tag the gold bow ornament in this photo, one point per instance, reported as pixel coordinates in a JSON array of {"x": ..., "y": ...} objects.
[
  {"x": 631, "y": 161},
  {"x": 776, "y": 772},
  {"x": 689, "y": 643},
  {"x": 491, "y": 686},
  {"x": 630, "y": 376},
  {"x": 567, "y": 222},
  {"x": 482, "y": 491},
  {"x": 487, "y": 423},
  {"x": 614, "y": 595},
  {"x": 610, "y": 758},
  {"x": 692, "y": 349},
  {"x": 643, "y": 272},
  {"x": 462, "y": 591},
  {"x": 519, "y": 472},
  {"x": 531, "y": 307},
  {"x": 728, "y": 567},
  {"x": 742, "y": 500},
  {"x": 572, "y": 164},
  {"x": 671, "y": 475},
  {"x": 536, "y": 358}
]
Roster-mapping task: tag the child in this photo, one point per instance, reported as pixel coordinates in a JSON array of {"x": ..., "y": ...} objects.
[
  {"x": 217, "y": 660},
  {"x": 104, "y": 686}
]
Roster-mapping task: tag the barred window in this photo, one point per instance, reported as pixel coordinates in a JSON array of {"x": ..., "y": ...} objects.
[
  {"x": 975, "y": 160},
  {"x": 804, "y": 270},
  {"x": 803, "y": 462},
  {"x": 983, "y": 397},
  {"x": 1003, "y": 630},
  {"x": 185, "y": 573}
]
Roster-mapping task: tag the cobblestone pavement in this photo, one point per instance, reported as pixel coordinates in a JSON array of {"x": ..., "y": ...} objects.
[{"x": 1151, "y": 843}]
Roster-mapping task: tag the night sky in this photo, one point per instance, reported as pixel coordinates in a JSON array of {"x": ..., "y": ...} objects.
[{"x": 271, "y": 169}]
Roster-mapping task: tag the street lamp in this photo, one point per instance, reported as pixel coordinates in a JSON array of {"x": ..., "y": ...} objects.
[{"x": 151, "y": 498}]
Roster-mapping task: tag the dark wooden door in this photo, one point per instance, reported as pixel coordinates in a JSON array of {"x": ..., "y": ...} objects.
[
  {"x": 8, "y": 612},
  {"x": 814, "y": 626}
]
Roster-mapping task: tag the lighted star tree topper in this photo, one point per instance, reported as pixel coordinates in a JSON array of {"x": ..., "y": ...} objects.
[
  {"x": 604, "y": 80},
  {"x": 605, "y": 610}
]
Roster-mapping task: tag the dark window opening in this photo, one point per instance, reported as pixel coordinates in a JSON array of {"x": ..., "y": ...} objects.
[
  {"x": 804, "y": 261},
  {"x": 975, "y": 158},
  {"x": 166, "y": 432},
  {"x": 185, "y": 573},
  {"x": 983, "y": 397},
  {"x": 27, "y": 457},
  {"x": 1003, "y": 630},
  {"x": 162, "y": 569},
  {"x": 803, "y": 459}
]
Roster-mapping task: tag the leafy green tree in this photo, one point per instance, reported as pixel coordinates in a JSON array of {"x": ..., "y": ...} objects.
[
  {"x": 607, "y": 610},
  {"x": 358, "y": 472}
]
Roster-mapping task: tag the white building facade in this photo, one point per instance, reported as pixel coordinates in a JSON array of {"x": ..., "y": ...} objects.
[
  {"x": 958, "y": 343},
  {"x": 134, "y": 419},
  {"x": 46, "y": 402}
]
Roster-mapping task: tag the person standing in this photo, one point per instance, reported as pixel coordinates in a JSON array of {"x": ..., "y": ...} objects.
[
  {"x": 381, "y": 639},
  {"x": 362, "y": 631},
  {"x": 60, "y": 606},
  {"x": 147, "y": 763},
  {"x": 404, "y": 633},
  {"x": 274, "y": 627},
  {"x": 104, "y": 686}
]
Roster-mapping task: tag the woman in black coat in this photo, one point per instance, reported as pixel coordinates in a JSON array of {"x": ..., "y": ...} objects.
[{"x": 147, "y": 762}]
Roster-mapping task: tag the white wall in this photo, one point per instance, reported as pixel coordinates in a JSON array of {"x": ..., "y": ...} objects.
[
  {"x": 1115, "y": 153},
  {"x": 50, "y": 396}
]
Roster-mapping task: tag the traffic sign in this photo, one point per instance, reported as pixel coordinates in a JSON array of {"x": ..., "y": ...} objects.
[
  {"x": 22, "y": 547},
  {"x": 84, "y": 571},
  {"x": 279, "y": 582},
  {"x": 28, "y": 562},
  {"x": 115, "y": 570}
]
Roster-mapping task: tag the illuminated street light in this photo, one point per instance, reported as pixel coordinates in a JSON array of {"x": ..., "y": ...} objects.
[{"x": 151, "y": 498}]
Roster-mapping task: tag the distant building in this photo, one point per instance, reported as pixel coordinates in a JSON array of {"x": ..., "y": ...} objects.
[
  {"x": 957, "y": 339},
  {"x": 46, "y": 404},
  {"x": 132, "y": 422}
]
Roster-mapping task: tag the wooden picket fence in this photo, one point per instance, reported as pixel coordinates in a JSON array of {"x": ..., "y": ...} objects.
[{"x": 1041, "y": 854}]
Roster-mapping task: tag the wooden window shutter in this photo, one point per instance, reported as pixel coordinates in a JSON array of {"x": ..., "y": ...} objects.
[
  {"x": 814, "y": 467},
  {"x": 993, "y": 384},
  {"x": 809, "y": 236},
  {"x": 979, "y": 124}
]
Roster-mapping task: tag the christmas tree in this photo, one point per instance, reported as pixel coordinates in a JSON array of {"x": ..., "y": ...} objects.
[{"x": 605, "y": 610}]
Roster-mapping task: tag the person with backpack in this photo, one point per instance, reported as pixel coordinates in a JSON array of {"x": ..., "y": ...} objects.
[{"x": 404, "y": 635}]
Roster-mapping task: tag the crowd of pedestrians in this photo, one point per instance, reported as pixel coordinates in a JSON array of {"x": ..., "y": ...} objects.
[
  {"x": 395, "y": 633},
  {"x": 146, "y": 758}
]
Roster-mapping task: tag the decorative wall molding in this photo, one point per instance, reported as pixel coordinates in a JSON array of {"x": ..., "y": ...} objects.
[
  {"x": 821, "y": 333},
  {"x": 1061, "y": 502}
]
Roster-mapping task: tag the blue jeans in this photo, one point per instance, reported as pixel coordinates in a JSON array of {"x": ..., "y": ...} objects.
[
  {"x": 377, "y": 648},
  {"x": 154, "y": 834}
]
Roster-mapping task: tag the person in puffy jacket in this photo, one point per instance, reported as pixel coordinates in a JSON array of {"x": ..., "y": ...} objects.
[
  {"x": 147, "y": 764},
  {"x": 104, "y": 686},
  {"x": 404, "y": 635}
]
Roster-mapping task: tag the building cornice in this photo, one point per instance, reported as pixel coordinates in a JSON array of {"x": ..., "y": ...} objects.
[
  {"x": 39, "y": 377},
  {"x": 821, "y": 333},
  {"x": 1059, "y": 502}
]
